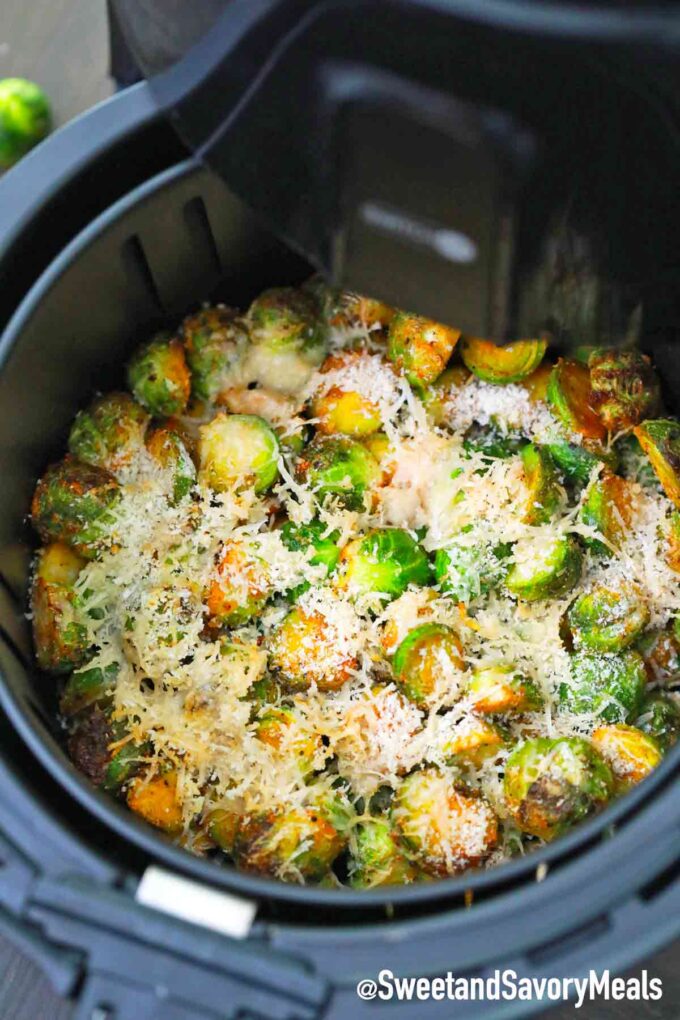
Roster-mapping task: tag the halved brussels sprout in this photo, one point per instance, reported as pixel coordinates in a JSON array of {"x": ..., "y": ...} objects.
[
  {"x": 660, "y": 719},
  {"x": 634, "y": 463},
  {"x": 545, "y": 494},
  {"x": 315, "y": 535},
  {"x": 550, "y": 784},
  {"x": 74, "y": 503},
  {"x": 571, "y": 398},
  {"x": 445, "y": 829},
  {"x": 159, "y": 377},
  {"x": 493, "y": 442},
  {"x": 673, "y": 548},
  {"x": 59, "y": 636},
  {"x": 215, "y": 340},
  {"x": 608, "y": 508},
  {"x": 288, "y": 339},
  {"x": 501, "y": 688},
  {"x": 124, "y": 763},
  {"x": 438, "y": 396},
  {"x": 110, "y": 433},
  {"x": 660, "y": 650},
  {"x": 630, "y": 753},
  {"x": 377, "y": 858},
  {"x": 167, "y": 448},
  {"x": 420, "y": 348},
  {"x": 240, "y": 590},
  {"x": 345, "y": 310},
  {"x": 660, "y": 440},
  {"x": 339, "y": 468},
  {"x": 427, "y": 664},
  {"x": 508, "y": 364},
  {"x": 293, "y": 841},
  {"x": 282, "y": 729},
  {"x": 536, "y": 384},
  {"x": 87, "y": 687},
  {"x": 608, "y": 620},
  {"x": 300, "y": 653},
  {"x": 222, "y": 824},
  {"x": 340, "y": 409},
  {"x": 467, "y": 571},
  {"x": 625, "y": 387},
  {"x": 384, "y": 561},
  {"x": 610, "y": 686},
  {"x": 576, "y": 462},
  {"x": 88, "y": 744},
  {"x": 238, "y": 451},
  {"x": 156, "y": 800},
  {"x": 544, "y": 568},
  {"x": 473, "y": 741}
]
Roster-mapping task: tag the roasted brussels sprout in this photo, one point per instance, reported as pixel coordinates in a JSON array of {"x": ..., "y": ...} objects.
[
  {"x": 222, "y": 824},
  {"x": 630, "y": 753},
  {"x": 493, "y": 442},
  {"x": 544, "y": 567},
  {"x": 87, "y": 687},
  {"x": 545, "y": 493},
  {"x": 437, "y": 397},
  {"x": 610, "y": 686},
  {"x": 74, "y": 503},
  {"x": 508, "y": 364},
  {"x": 287, "y": 733},
  {"x": 168, "y": 449},
  {"x": 313, "y": 536},
  {"x": 288, "y": 339},
  {"x": 444, "y": 829},
  {"x": 608, "y": 620},
  {"x": 467, "y": 571},
  {"x": 576, "y": 462},
  {"x": 339, "y": 468},
  {"x": 673, "y": 537},
  {"x": 625, "y": 387},
  {"x": 301, "y": 653},
  {"x": 660, "y": 440},
  {"x": 608, "y": 508},
  {"x": 427, "y": 665},
  {"x": 384, "y": 561},
  {"x": 348, "y": 311},
  {"x": 501, "y": 688},
  {"x": 552, "y": 783},
  {"x": 214, "y": 340},
  {"x": 110, "y": 433},
  {"x": 660, "y": 719},
  {"x": 155, "y": 799},
  {"x": 571, "y": 398},
  {"x": 238, "y": 451},
  {"x": 341, "y": 409},
  {"x": 240, "y": 589},
  {"x": 25, "y": 118},
  {"x": 88, "y": 744},
  {"x": 420, "y": 348},
  {"x": 159, "y": 377},
  {"x": 377, "y": 858},
  {"x": 660, "y": 650},
  {"x": 536, "y": 384},
  {"x": 472, "y": 741},
  {"x": 59, "y": 636},
  {"x": 124, "y": 763}
]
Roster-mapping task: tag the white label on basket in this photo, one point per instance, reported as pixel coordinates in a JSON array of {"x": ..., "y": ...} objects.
[{"x": 199, "y": 904}]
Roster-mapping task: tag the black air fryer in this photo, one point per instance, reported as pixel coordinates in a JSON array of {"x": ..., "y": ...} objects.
[{"x": 502, "y": 166}]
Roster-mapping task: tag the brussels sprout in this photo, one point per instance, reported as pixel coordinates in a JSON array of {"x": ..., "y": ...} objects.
[
  {"x": 288, "y": 339},
  {"x": 634, "y": 463},
  {"x": 300, "y": 653},
  {"x": 156, "y": 800},
  {"x": 222, "y": 824},
  {"x": 608, "y": 508},
  {"x": 315, "y": 535},
  {"x": 295, "y": 841},
  {"x": 380, "y": 446},
  {"x": 238, "y": 450},
  {"x": 339, "y": 468},
  {"x": 493, "y": 442},
  {"x": 110, "y": 433},
  {"x": 240, "y": 590},
  {"x": 673, "y": 549},
  {"x": 87, "y": 687},
  {"x": 88, "y": 744},
  {"x": 576, "y": 462},
  {"x": 214, "y": 340},
  {"x": 340, "y": 409},
  {"x": 536, "y": 384},
  {"x": 571, "y": 398},
  {"x": 544, "y": 568},
  {"x": 73, "y": 503},
  {"x": 660, "y": 650},
  {"x": 605, "y": 620},
  {"x": 420, "y": 348},
  {"x": 473, "y": 741},
  {"x": 630, "y": 753},
  {"x": 545, "y": 494},
  {"x": 660, "y": 719},
  {"x": 467, "y": 571},
  {"x": 437, "y": 397},
  {"x": 508, "y": 364},
  {"x": 124, "y": 763},
  {"x": 159, "y": 377},
  {"x": 426, "y": 664},
  {"x": 25, "y": 118},
  {"x": 377, "y": 858},
  {"x": 444, "y": 829},
  {"x": 384, "y": 561},
  {"x": 501, "y": 688},
  {"x": 624, "y": 386},
  {"x": 660, "y": 440},
  {"x": 607, "y": 685},
  {"x": 348, "y": 311},
  {"x": 60, "y": 638},
  {"x": 288, "y": 734},
  {"x": 550, "y": 784},
  {"x": 167, "y": 448}
]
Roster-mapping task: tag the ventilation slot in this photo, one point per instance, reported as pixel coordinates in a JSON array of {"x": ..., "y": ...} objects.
[
  {"x": 661, "y": 882},
  {"x": 138, "y": 272},
  {"x": 571, "y": 942},
  {"x": 200, "y": 232}
]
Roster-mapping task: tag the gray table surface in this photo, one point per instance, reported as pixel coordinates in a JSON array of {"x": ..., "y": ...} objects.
[{"x": 62, "y": 44}]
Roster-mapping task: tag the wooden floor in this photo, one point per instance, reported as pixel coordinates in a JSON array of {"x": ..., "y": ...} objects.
[{"x": 62, "y": 45}]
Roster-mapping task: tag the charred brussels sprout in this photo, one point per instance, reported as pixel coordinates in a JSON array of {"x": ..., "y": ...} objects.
[
  {"x": 427, "y": 664},
  {"x": 159, "y": 377},
  {"x": 550, "y": 784},
  {"x": 660, "y": 440},
  {"x": 60, "y": 638},
  {"x": 545, "y": 493},
  {"x": 571, "y": 398},
  {"x": 673, "y": 542},
  {"x": 630, "y": 753},
  {"x": 607, "y": 685},
  {"x": 544, "y": 568},
  {"x": 167, "y": 448},
  {"x": 102, "y": 750},
  {"x": 287, "y": 733},
  {"x": 240, "y": 590},
  {"x": 214, "y": 341},
  {"x": 156, "y": 800},
  {"x": 341, "y": 469},
  {"x": 301, "y": 653},
  {"x": 609, "y": 509},
  {"x": 385, "y": 562},
  {"x": 608, "y": 620},
  {"x": 508, "y": 364},
  {"x": 576, "y": 462},
  {"x": 536, "y": 384},
  {"x": 377, "y": 858},
  {"x": 74, "y": 503},
  {"x": 222, "y": 824},
  {"x": 660, "y": 719},
  {"x": 445, "y": 829},
  {"x": 501, "y": 689},
  {"x": 238, "y": 451},
  {"x": 87, "y": 687},
  {"x": 625, "y": 387},
  {"x": 110, "y": 433},
  {"x": 467, "y": 571},
  {"x": 313, "y": 536},
  {"x": 420, "y": 348}
]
